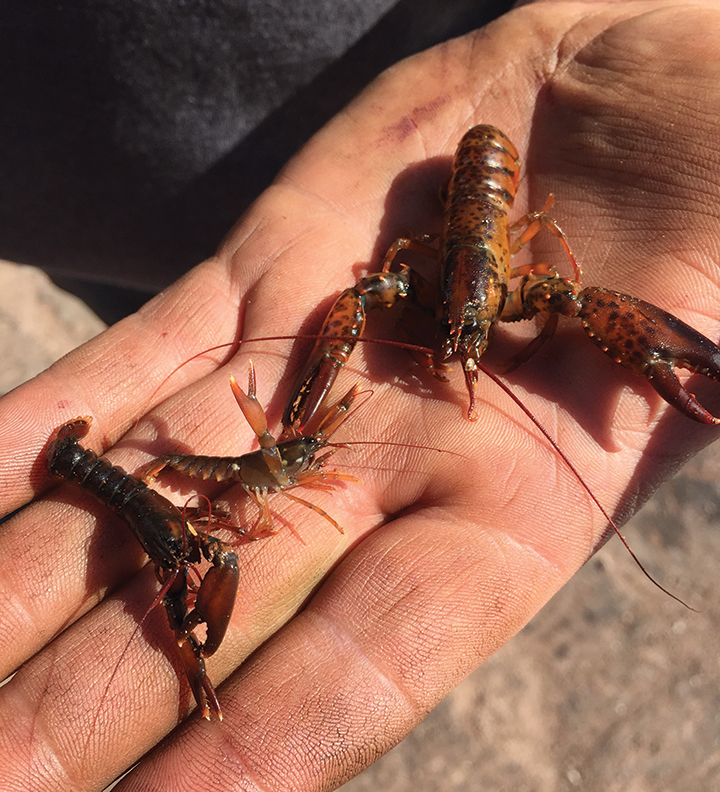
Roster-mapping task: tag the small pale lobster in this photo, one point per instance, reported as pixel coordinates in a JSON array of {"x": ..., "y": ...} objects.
[
  {"x": 173, "y": 545},
  {"x": 476, "y": 245},
  {"x": 276, "y": 467}
]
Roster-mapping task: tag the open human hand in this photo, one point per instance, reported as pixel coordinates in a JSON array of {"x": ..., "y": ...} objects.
[{"x": 355, "y": 637}]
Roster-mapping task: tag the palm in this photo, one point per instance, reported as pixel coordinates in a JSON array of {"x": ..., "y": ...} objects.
[{"x": 441, "y": 562}]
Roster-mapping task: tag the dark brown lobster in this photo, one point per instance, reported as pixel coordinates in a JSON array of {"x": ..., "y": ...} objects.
[{"x": 173, "y": 544}]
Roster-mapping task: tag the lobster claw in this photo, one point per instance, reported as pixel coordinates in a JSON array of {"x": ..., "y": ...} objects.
[
  {"x": 215, "y": 597},
  {"x": 213, "y": 607},
  {"x": 342, "y": 328},
  {"x": 651, "y": 342},
  {"x": 191, "y": 656}
]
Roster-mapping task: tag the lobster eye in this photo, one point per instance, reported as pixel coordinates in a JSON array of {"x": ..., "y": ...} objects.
[{"x": 470, "y": 326}]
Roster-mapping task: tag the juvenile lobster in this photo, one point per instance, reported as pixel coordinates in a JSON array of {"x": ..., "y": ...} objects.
[
  {"x": 171, "y": 542},
  {"x": 276, "y": 467},
  {"x": 475, "y": 249}
]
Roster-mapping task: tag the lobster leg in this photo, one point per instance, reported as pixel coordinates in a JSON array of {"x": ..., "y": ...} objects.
[
  {"x": 276, "y": 467},
  {"x": 531, "y": 225},
  {"x": 539, "y": 293},
  {"x": 256, "y": 418}
]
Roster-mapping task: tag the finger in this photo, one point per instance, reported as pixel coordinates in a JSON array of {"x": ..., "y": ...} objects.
[
  {"x": 110, "y": 378},
  {"x": 58, "y": 559}
]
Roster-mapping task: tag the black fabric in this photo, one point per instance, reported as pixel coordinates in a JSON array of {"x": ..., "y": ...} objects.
[{"x": 134, "y": 133}]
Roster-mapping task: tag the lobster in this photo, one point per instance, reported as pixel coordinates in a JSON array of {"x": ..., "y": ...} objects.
[
  {"x": 173, "y": 544},
  {"x": 276, "y": 467},
  {"x": 476, "y": 245}
]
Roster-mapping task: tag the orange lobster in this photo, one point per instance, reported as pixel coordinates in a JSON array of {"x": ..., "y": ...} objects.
[{"x": 476, "y": 245}]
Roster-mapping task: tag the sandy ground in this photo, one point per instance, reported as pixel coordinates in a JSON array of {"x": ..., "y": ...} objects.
[{"x": 613, "y": 686}]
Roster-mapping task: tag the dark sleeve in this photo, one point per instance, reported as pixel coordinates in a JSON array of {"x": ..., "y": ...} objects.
[{"x": 133, "y": 134}]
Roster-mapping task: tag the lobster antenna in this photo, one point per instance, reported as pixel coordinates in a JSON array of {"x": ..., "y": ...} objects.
[
  {"x": 369, "y": 392},
  {"x": 158, "y": 599},
  {"x": 502, "y": 385},
  {"x": 582, "y": 481},
  {"x": 300, "y": 337},
  {"x": 405, "y": 445}
]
